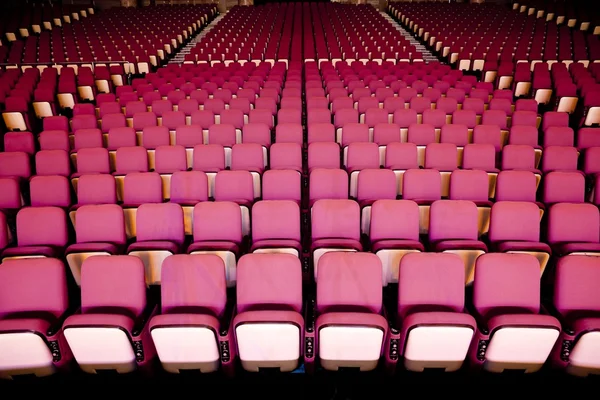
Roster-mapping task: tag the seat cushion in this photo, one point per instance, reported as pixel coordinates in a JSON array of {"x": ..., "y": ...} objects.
[
  {"x": 99, "y": 320},
  {"x": 534, "y": 247},
  {"x": 214, "y": 246},
  {"x": 182, "y": 320},
  {"x": 154, "y": 246},
  {"x": 276, "y": 244},
  {"x": 24, "y": 324},
  {"x": 568, "y": 248},
  {"x": 523, "y": 320},
  {"x": 93, "y": 248},
  {"x": 447, "y": 245},
  {"x": 45, "y": 251},
  {"x": 337, "y": 243},
  {"x": 583, "y": 325},
  {"x": 397, "y": 245}
]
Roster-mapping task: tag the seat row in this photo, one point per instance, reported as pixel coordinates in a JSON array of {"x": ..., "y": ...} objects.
[
  {"x": 270, "y": 324},
  {"x": 390, "y": 228}
]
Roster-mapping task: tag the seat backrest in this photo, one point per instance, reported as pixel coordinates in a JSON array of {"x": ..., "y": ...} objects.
[
  {"x": 234, "y": 186},
  {"x": 193, "y": 283},
  {"x": 52, "y": 162},
  {"x": 248, "y": 157},
  {"x": 576, "y": 286},
  {"x": 516, "y": 186},
  {"x": 169, "y": 159},
  {"x": 42, "y": 226},
  {"x": 160, "y": 222},
  {"x": 96, "y": 189},
  {"x": 52, "y": 190},
  {"x": 518, "y": 157},
  {"x": 401, "y": 156},
  {"x": 362, "y": 155},
  {"x": 421, "y": 134},
  {"x": 100, "y": 224},
  {"x": 417, "y": 291},
  {"x": 375, "y": 184},
  {"x": 469, "y": 185},
  {"x": 335, "y": 219},
  {"x": 276, "y": 219},
  {"x": 33, "y": 285},
  {"x": 573, "y": 223},
  {"x": 282, "y": 185},
  {"x": 209, "y": 158},
  {"x": 422, "y": 184},
  {"x": 479, "y": 156},
  {"x": 121, "y": 137},
  {"x": 328, "y": 184},
  {"x": 441, "y": 156},
  {"x": 142, "y": 187},
  {"x": 188, "y": 187},
  {"x": 113, "y": 284},
  {"x": 323, "y": 155},
  {"x": 217, "y": 221},
  {"x": 394, "y": 219},
  {"x": 453, "y": 220},
  {"x": 564, "y": 187},
  {"x": 514, "y": 221},
  {"x": 341, "y": 275},
  {"x": 560, "y": 158},
  {"x": 131, "y": 159},
  {"x": 269, "y": 281},
  {"x": 506, "y": 284}
]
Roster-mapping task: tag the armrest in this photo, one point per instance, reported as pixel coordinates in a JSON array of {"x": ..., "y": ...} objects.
[
  {"x": 548, "y": 308},
  {"x": 226, "y": 321},
  {"x": 227, "y": 345},
  {"x": 140, "y": 323},
  {"x": 310, "y": 337},
  {"x": 482, "y": 326},
  {"x": 391, "y": 348},
  {"x": 58, "y": 324}
]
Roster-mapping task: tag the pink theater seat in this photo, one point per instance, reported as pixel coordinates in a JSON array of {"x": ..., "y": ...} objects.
[
  {"x": 276, "y": 227},
  {"x": 269, "y": 325},
  {"x": 335, "y": 227},
  {"x": 436, "y": 331},
  {"x": 576, "y": 305},
  {"x": 217, "y": 229},
  {"x": 344, "y": 318},
  {"x": 115, "y": 312},
  {"x": 159, "y": 234},
  {"x": 188, "y": 334},
  {"x": 33, "y": 306},
  {"x": 99, "y": 230},
  {"x": 393, "y": 233},
  {"x": 453, "y": 228},
  {"x": 41, "y": 232},
  {"x": 513, "y": 333}
]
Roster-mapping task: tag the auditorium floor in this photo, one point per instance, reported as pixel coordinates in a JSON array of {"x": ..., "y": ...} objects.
[{"x": 321, "y": 386}]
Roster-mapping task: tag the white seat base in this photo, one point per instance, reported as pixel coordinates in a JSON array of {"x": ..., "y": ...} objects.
[
  {"x": 101, "y": 349},
  {"x": 585, "y": 356},
  {"x": 268, "y": 345},
  {"x": 185, "y": 348},
  {"x": 437, "y": 347},
  {"x": 24, "y": 353},
  {"x": 350, "y": 347},
  {"x": 519, "y": 348}
]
